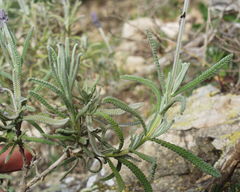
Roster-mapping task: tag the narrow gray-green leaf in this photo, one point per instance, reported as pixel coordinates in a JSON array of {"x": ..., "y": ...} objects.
[
  {"x": 205, "y": 167},
  {"x": 37, "y": 140},
  {"x": 5, "y": 148},
  {"x": 10, "y": 153},
  {"x": 120, "y": 182},
  {"x": 114, "y": 126},
  {"x": 149, "y": 159},
  {"x": 118, "y": 111},
  {"x": 40, "y": 130},
  {"x": 46, "y": 104},
  {"x": 47, "y": 120},
  {"x": 154, "y": 47},
  {"x": 125, "y": 107},
  {"x": 27, "y": 43},
  {"x": 138, "y": 173},
  {"x": 4, "y": 176},
  {"x": 119, "y": 166},
  {"x": 205, "y": 75},
  {"x": 5, "y": 75},
  {"x": 59, "y": 137},
  {"x": 181, "y": 75}
]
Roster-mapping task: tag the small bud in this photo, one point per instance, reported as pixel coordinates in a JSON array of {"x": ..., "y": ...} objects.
[
  {"x": 95, "y": 20},
  {"x": 3, "y": 17}
]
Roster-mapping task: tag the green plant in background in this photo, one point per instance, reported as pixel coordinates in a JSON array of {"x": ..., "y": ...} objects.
[
  {"x": 83, "y": 120},
  {"x": 52, "y": 22}
]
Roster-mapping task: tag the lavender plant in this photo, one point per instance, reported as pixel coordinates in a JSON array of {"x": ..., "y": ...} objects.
[{"x": 83, "y": 120}]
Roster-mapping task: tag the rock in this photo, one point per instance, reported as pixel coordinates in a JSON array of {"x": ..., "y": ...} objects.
[
  {"x": 170, "y": 29},
  {"x": 134, "y": 64},
  {"x": 205, "y": 110},
  {"x": 172, "y": 183},
  {"x": 225, "y": 5},
  {"x": 130, "y": 64},
  {"x": 135, "y": 29}
]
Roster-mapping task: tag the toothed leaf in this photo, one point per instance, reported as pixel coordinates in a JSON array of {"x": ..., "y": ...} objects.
[
  {"x": 119, "y": 165},
  {"x": 125, "y": 107},
  {"x": 205, "y": 167},
  {"x": 27, "y": 43},
  {"x": 37, "y": 140},
  {"x": 154, "y": 48},
  {"x": 138, "y": 173},
  {"x": 47, "y": 120},
  {"x": 115, "y": 127},
  {"x": 150, "y": 160},
  {"x": 205, "y": 75},
  {"x": 118, "y": 111},
  {"x": 120, "y": 182},
  {"x": 46, "y": 104}
]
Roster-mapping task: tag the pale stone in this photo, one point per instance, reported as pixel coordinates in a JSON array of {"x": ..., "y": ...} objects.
[
  {"x": 134, "y": 64},
  {"x": 134, "y": 29}
]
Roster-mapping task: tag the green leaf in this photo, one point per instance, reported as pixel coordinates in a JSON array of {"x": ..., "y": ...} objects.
[
  {"x": 52, "y": 88},
  {"x": 17, "y": 63},
  {"x": 115, "y": 127},
  {"x": 150, "y": 160},
  {"x": 5, "y": 148},
  {"x": 47, "y": 85},
  {"x": 4, "y": 176},
  {"x": 178, "y": 98},
  {"x": 6, "y": 75},
  {"x": 138, "y": 173},
  {"x": 47, "y": 120},
  {"x": 40, "y": 130},
  {"x": 149, "y": 84},
  {"x": 3, "y": 117},
  {"x": 37, "y": 140},
  {"x": 129, "y": 124},
  {"x": 180, "y": 76},
  {"x": 144, "y": 156},
  {"x": 27, "y": 43},
  {"x": 59, "y": 137},
  {"x": 46, "y": 104},
  {"x": 70, "y": 170},
  {"x": 119, "y": 165},
  {"x": 135, "y": 141},
  {"x": 205, "y": 167},
  {"x": 52, "y": 57},
  {"x": 154, "y": 47},
  {"x": 94, "y": 145},
  {"x": 67, "y": 161},
  {"x": 10, "y": 153},
  {"x": 120, "y": 182},
  {"x": 118, "y": 111},
  {"x": 66, "y": 132},
  {"x": 205, "y": 75},
  {"x": 165, "y": 125},
  {"x": 125, "y": 107}
]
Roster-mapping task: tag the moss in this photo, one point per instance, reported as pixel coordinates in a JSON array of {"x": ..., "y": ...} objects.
[{"x": 233, "y": 137}]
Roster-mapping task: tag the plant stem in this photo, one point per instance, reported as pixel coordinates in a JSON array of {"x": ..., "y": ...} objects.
[
  {"x": 179, "y": 43},
  {"x": 36, "y": 179}
]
